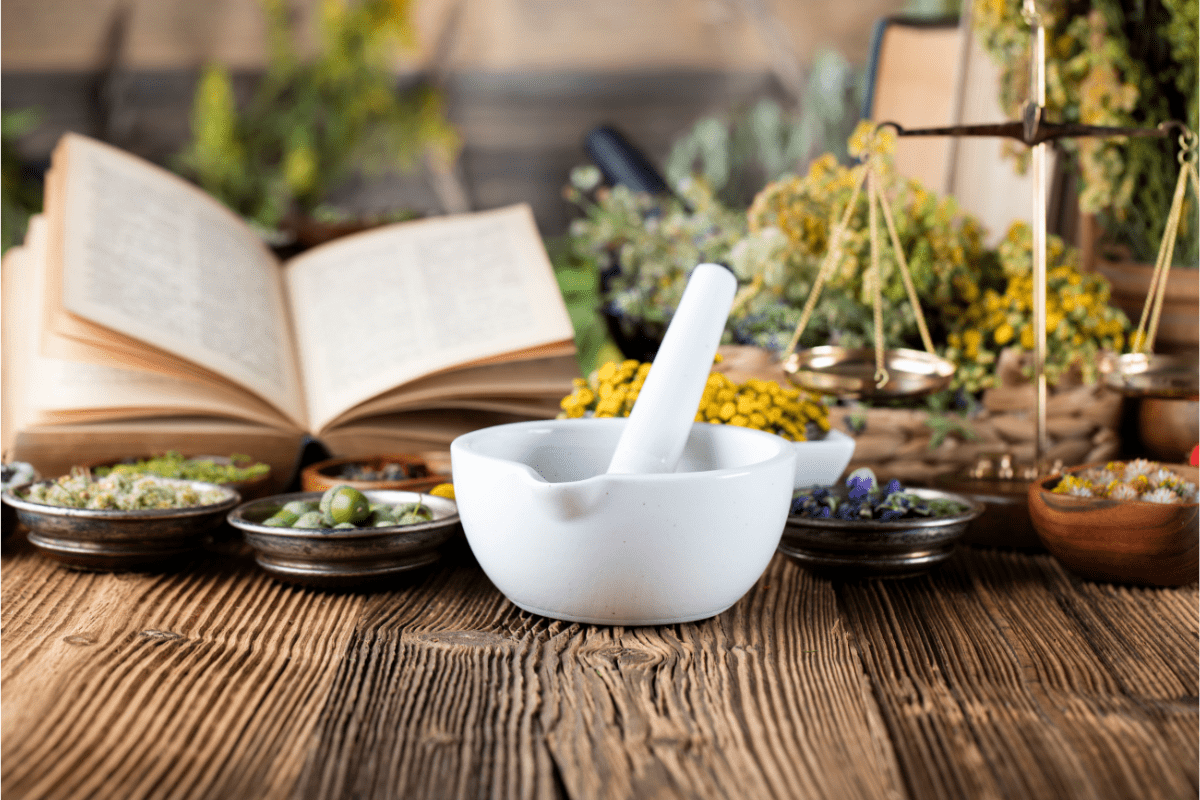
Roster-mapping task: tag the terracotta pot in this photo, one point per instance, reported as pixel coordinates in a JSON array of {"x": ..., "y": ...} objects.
[
  {"x": 1168, "y": 428},
  {"x": 1126, "y": 541},
  {"x": 1179, "y": 326},
  {"x": 326, "y": 474}
]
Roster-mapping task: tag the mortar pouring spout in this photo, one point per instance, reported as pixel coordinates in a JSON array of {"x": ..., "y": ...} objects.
[{"x": 572, "y": 499}]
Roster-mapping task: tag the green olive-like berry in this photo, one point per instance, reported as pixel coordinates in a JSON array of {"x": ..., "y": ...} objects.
[
  {"x": 311, "y": 520},
  {"x": 323, "y": 504},
  {"x": 410, "y": 513},
  {"x": 348, "y": 505},
  {"x": 299, "y": 507},
  {"x": 381, "y": 516},
  {"x": 344, "y": 525},
  {"x": 281, "y": 519}
]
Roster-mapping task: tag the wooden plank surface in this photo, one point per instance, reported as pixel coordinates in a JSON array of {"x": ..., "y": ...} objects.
[{"x": 999, "y": 675}]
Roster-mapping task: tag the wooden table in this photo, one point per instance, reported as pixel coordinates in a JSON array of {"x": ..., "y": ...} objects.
[{"x": 998, "y": 676}]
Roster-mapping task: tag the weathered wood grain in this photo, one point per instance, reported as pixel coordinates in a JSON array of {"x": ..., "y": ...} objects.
[
  {"x": 1002, "y": 677},
  {"x": 203, "y": 683},
  {"x": 765, "y": 700},
  {"x": 436, "y": 697},
  {"x": 999, "y": 675}
]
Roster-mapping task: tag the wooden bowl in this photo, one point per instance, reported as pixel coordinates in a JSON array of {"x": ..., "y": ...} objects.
[
  {"x": 327, "y": 474},
  {"x": 1125, "y": 541},
  {"x": 249, "y": 489}
]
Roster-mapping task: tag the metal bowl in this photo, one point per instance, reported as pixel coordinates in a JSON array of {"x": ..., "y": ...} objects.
[
  {"x": 1150, "y": 375},
  {"x": 102, "y": 539},
  {"x": 850, "y": 372},
  {"x": 864, "y": 548},
  {"x": 344, "y": 557}
]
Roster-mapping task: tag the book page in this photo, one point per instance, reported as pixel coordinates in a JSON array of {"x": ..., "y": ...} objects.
[
  {"x": 50, "y": 390},
  {"x": 149, "y": 256},
  {"x": 378, "y": 309},
  {"x": 537, "y": 384}
]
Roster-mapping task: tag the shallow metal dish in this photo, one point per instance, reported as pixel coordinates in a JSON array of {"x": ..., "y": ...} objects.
[
  {"x": 850, "y": 372},
  {"x": 1150, "y": 375},
  {"x": 878, "y": 549},
  {"x": 101, "y": 539},
  {"x": 344, "y": 557}
]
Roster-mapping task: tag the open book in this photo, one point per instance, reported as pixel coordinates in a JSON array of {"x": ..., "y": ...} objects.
[{"x": 141, "y": 315}]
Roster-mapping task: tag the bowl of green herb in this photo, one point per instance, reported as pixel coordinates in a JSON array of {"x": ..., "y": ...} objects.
[
  {"x": 120, "y": 521},
  {"x": 242, "y": 473},
  {"x": 869, "y": 529},
  {"x": 345, "y": 537}
]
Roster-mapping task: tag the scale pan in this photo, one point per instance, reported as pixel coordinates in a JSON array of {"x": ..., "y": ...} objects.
[
  {"x": 1150, "y": 375},
  {"x": 850, "y": 372}
]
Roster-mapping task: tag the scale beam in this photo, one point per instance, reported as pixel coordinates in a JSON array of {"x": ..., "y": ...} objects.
[{"x": 1034, "y": 130}]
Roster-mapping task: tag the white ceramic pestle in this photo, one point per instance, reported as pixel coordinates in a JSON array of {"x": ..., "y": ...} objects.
[{"x": 662, "y": 416}]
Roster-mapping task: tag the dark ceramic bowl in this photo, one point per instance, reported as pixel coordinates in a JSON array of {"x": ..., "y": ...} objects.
[
  {"x": 336, "y": 558},
  {"x": 102, "y": 539},
  {"x": 866, "y": 548}
]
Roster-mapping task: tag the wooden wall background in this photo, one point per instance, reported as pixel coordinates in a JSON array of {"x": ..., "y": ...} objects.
[{"x": 524, "y": 79}]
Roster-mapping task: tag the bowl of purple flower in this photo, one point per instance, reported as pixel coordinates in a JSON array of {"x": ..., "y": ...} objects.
[{"x": 866, "y": 528}]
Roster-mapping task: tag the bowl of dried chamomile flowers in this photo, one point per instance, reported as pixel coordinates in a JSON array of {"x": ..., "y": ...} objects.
[
  {"x": 119, "y": 521},
  {"x": 1134, "y": 521}
]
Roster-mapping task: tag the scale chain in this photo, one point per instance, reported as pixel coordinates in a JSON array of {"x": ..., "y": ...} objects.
[
  {"x": 1143, "y": 339},
  {"x": 832, "y": 256},
  {"x": 902, "y": 260},
  {"x": 881, "y": 375}
]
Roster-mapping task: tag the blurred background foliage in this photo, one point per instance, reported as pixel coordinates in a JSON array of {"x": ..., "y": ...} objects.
[
  {"x": 21, "y": 192},
  {"x": 1118, "y": 63},
  {"x": 314, "y": 122}
]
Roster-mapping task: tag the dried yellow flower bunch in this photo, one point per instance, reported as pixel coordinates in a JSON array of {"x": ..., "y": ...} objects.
[
  {"x": 791, "y": 223},
  {"x": 759, "y": 404},
  {"x": 1080, "y": 324}
]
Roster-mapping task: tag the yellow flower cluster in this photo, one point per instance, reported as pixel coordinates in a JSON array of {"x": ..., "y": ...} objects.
[
  {"x": 759, "y": 404},
  {"x": 794, "y": 218},
  {"x": 763, "y": 405},
  {"x": 1079, "y": 320}
]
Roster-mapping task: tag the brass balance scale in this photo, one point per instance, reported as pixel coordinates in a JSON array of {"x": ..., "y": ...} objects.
[{"x": 880, "y": 373}]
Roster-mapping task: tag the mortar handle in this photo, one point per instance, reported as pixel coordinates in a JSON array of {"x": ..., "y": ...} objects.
[{"x": 662, "y": 416}]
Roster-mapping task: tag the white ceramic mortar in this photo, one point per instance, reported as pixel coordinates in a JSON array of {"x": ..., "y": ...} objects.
[{"x": 562, "y": 538}]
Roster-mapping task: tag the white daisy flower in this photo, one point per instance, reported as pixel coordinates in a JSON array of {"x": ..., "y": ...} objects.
[
  {"x": 1123, "y": 491},
  {"x": 1163, "y": 477},
  {"x": 1160, "y": 496},
  {"x": 1101, "y": 476},
  {"x": 1139, "y": 466}
]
